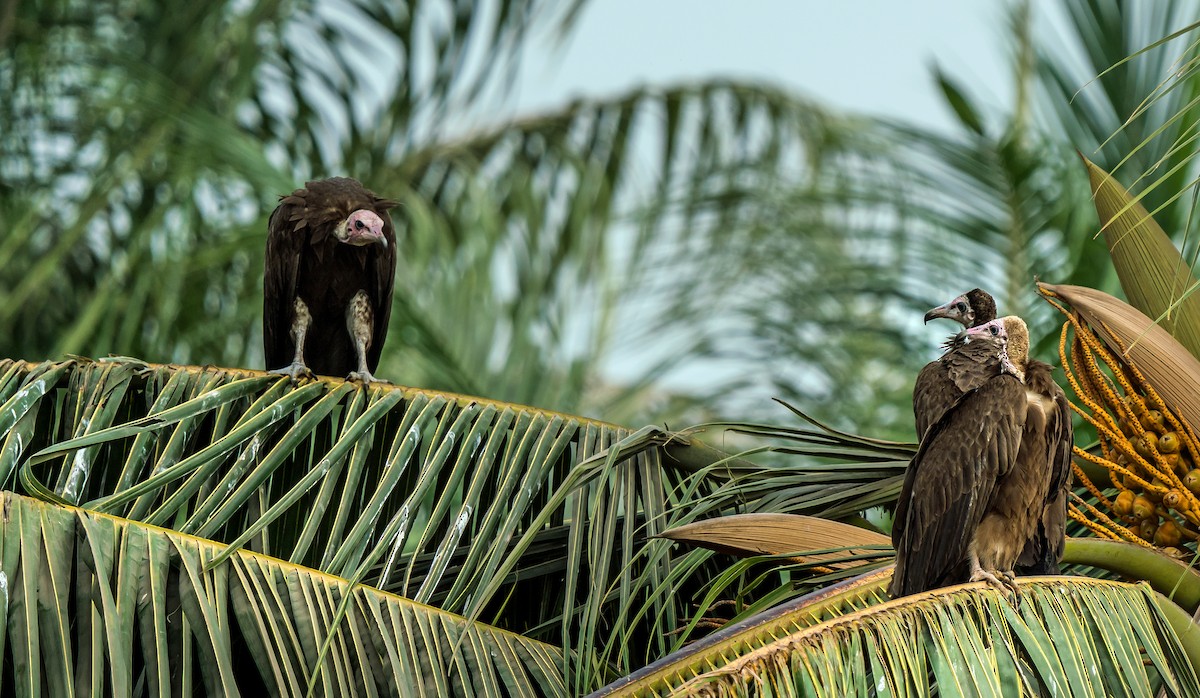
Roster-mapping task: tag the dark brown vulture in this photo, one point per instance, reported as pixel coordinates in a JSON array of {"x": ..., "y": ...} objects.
[
  {"x": 941, "y": 382},
  {"x": 327, "y": 288},
  {"x": 976, "y": 491}
]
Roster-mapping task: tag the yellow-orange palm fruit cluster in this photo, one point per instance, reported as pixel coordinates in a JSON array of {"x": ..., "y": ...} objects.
[{"x": 1150, "y": 455}]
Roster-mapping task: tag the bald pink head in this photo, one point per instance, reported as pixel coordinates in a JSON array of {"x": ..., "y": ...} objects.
[{"x": 362, "y": 227}]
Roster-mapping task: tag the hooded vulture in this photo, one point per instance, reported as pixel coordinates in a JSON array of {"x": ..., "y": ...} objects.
[
  {"x": 942, "y": 382},
  {"x": 327, "y": 287},
  {"x": 976, "y": 492}
]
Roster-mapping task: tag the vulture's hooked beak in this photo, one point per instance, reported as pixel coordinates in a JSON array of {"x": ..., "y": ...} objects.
[{"x": 949, "y": 311}]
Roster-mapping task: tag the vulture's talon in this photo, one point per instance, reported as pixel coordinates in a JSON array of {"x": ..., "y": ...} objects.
[
  {"x": 1010, "y": 581},
  {"x": 366, "y": 378},
  {"x": 294, "y": 371},
  {"x": 992, "y": 581}
]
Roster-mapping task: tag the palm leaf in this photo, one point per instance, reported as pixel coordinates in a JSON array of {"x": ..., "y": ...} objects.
[
  {"x": 103, "y": 604},
  {"x": 827, "y": 472},
  {"x": 469, "y": 505},
  {"x": 1080, "y": 636},
  {"x": 776, "y": 534},
  {"x": 1168, "y": 365},
  {"x": 1153, "y": 274},
  {"x": 1124, "y": 95}
]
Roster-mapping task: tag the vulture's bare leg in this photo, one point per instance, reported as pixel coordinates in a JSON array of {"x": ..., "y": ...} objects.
[
  {"x": 301, "y": 319},
  {"x": 359, "y": 317}
]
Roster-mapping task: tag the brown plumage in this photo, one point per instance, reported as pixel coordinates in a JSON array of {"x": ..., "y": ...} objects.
[
  {"x": 327, "y": 287},
  {"x": 943, "y": 381},
  {"x": 1044, "y": 550},
  {"x": 975, "y": 494}
]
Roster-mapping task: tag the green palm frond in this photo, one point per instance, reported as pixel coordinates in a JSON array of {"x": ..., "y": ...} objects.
[
  {"x": 1124, "y": 96},
  {"x": 1075, "y": 636},
  {"x": 472, "y": 506},
  {"x": 97, "y": 603},
  {"x": 1155, "y": 277},
  {"x": 828, "y": 472}
]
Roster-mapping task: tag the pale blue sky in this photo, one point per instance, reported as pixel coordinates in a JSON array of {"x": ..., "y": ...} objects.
[{"x": 857, "y": 55}]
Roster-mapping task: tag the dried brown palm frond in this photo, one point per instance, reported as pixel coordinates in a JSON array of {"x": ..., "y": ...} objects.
[{"x": 1135, "y": 384}]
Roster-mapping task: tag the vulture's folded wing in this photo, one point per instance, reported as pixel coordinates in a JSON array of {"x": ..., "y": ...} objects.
[
  {"x": 949, "y": 483},
  {"x": 285, "y": 245}
]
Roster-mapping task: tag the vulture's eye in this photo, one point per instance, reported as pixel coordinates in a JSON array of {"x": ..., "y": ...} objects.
[
  {"x": 358, "y": 225},
  {"x": 960, "y": 307},
  {"x": 993, "y": 330}
]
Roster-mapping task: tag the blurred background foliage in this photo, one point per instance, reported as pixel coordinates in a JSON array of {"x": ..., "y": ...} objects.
[{"x": 675, "y": 252}]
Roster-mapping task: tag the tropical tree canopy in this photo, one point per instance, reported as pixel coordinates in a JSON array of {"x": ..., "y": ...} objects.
[{"x": 177, "y": 520}]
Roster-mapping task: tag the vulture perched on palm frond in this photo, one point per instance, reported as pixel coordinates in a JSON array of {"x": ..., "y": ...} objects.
[
  {"x": 327, "y": 287},
  {"x": 943, "y": 381},
  {"x": 977, "y": 491}
]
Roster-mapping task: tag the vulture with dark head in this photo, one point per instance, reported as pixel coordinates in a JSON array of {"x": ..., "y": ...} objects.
[
  {"x": 978, "y": 489},
  {"x": 943, "y": 381},
  {"x": 971, "y": 309},
  {"x": 327, "y": 289}
]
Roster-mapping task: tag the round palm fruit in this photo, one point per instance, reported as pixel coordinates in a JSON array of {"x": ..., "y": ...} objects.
[
  {"x": 1192, "y": 481},
  {"x": 1123, "y": 504},
  {"x": 1143, "y": 507},
  {"x": 1153, "y": 420},
  {"x": 1146, "y": 444},
  {"x": 1168, "y": 443},
  {"x": 1135, "y": 404},
  {"x": 1125, "y": 427},
  {"x": 1168, "y": 535},
  {"x": 1148, "y": 528},
  {"x": 1174, "y": 499}
]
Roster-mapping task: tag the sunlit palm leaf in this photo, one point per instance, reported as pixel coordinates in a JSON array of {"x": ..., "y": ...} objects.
[
  {"x": 462, "y": 503},
  {"x": 776, "y": 534},
  {"x": 1085, "y": 637},
  {"x": 1155, "y": 277},
  {"x": 80, "y": 583}
]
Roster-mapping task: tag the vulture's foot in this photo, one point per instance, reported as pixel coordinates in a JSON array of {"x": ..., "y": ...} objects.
[
  {"x": 1010, "y": 580},
  {"x": 295, "y": 371},
  {"x": 982, "y": 575},
  {"x": 366, "y": 378}
]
